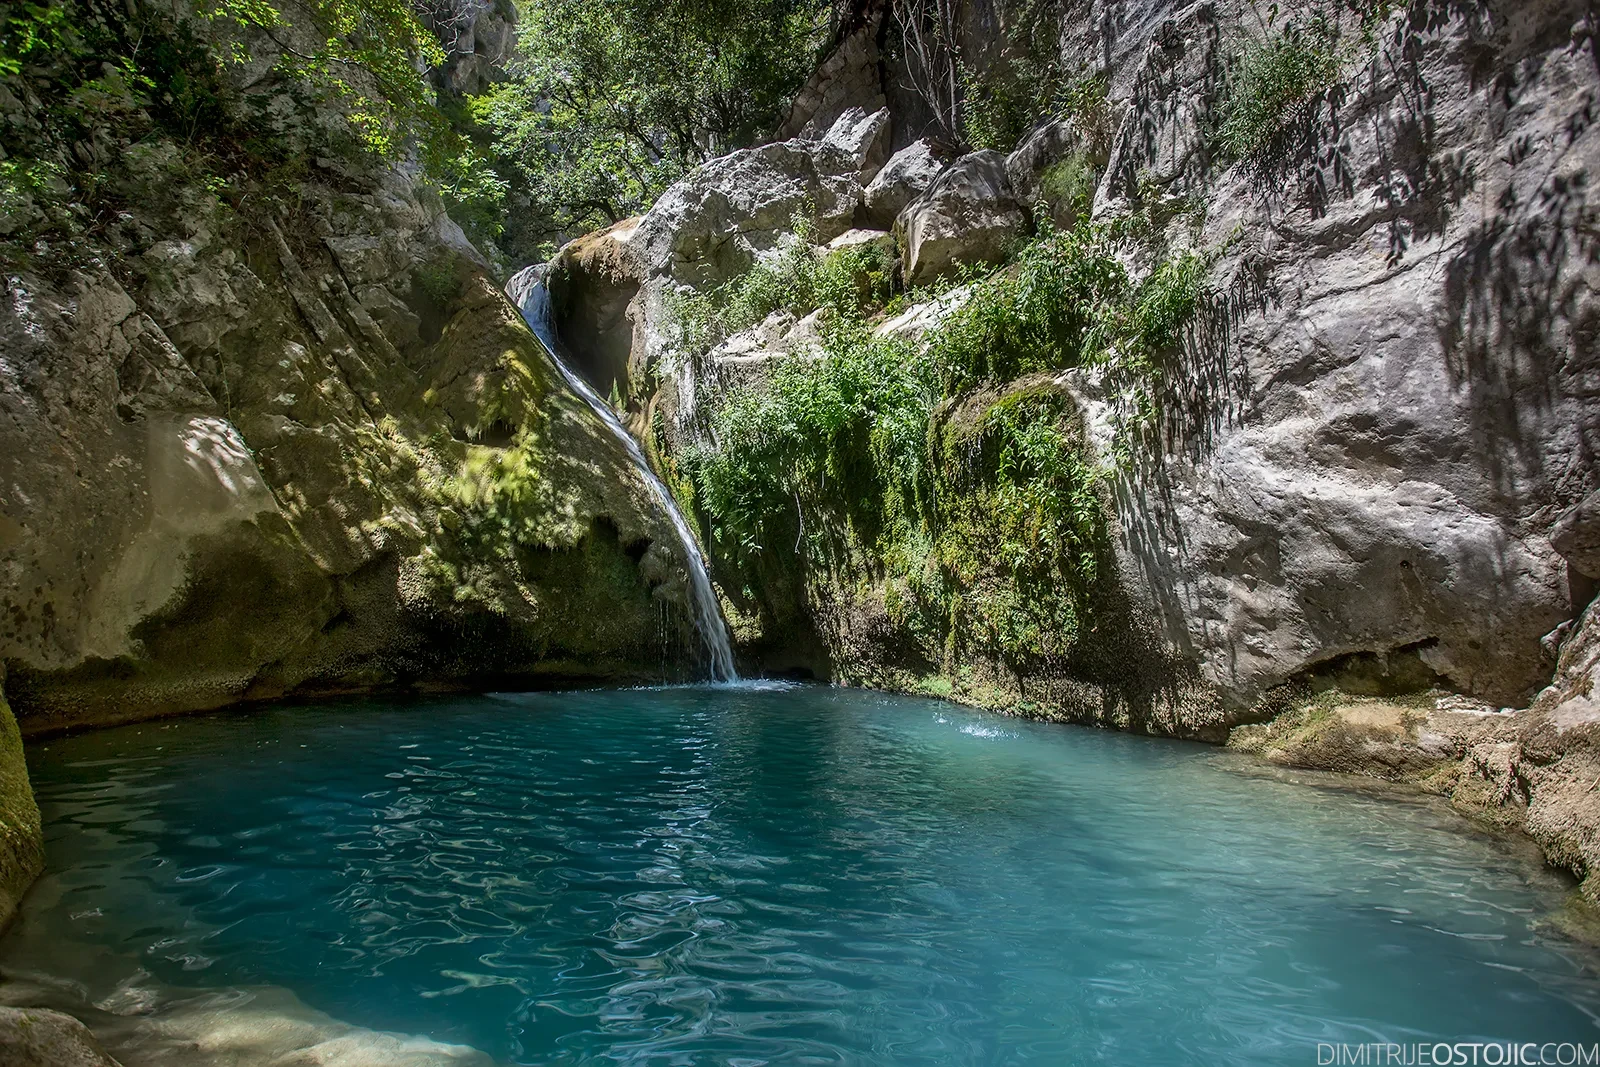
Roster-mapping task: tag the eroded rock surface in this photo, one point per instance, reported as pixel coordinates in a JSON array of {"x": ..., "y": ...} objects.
[
  {"x": 327, "y": 456},
  {"x": 1532, "y": 770},
  {"x": 905, "y": 176},
  {"x": 1369, "y": 440}
]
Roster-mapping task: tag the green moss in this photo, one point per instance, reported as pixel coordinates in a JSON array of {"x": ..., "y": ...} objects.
[
  {"x": 21, "y": 840},
  {"x": 945, "y": 480}
]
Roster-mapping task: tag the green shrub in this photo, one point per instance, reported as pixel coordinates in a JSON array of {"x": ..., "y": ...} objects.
[
  {"x": 1068, "y": 301},
  {"x": 1067, "y": 186},
  {"x": 913, "y": 464},
  {"x": 1085, "y": 103},
  {"x": 999, "y": 105},
  {"x": 610, "y": 101},
  {"x": 1273, "y": 81},
  {"x": 796, "y": 277},
  {"x": 850, "y": 423}
]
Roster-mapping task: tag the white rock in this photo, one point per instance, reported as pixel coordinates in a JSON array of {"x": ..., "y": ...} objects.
[
  {"x": 902, "y": 179},
  {"x": 968, "y": 215},
  {"x": 864, "y": 137}
]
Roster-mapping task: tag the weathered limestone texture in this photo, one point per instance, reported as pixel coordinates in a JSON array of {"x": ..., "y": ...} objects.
[
  {"x": 324, "y": 456},
  {"x": 1374, "y": 453},
  {"x": 969, "y": 214},
  {"x": 1371, "y": 436}
]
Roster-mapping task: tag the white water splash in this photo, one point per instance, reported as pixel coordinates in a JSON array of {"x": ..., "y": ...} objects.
[{"x": 527, "y": 290}]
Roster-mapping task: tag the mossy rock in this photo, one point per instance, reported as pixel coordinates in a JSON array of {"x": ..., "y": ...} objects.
[{"x": 21, "y": 838}]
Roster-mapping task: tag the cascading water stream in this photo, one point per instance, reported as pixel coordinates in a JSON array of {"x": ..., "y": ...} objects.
[{"x": 531, "y": 296}]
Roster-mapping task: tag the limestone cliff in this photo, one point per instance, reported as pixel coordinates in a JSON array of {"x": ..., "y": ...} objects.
[{"x": 271, "y": 427}]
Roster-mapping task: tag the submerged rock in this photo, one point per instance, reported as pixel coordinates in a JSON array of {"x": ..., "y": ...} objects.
[
  {"x": 34, "y": 1037},
  {"x": 1533, "y": 770},
  {"x": 147, "y": 1025}
]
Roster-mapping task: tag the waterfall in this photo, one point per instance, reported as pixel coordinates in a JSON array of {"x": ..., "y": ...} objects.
[{"x": 527, "y": 290}]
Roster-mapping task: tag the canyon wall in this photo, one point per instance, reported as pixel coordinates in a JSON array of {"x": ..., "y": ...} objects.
[{"x": 270, "y": 427}]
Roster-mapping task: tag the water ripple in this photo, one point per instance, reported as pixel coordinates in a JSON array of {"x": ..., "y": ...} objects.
[{"x": 753, "y": 875}]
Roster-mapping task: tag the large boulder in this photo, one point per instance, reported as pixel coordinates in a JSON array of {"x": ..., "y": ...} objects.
[
  {"x": 1053, "y": 169},
  {"x": 904, "y": 177},
  {"x": 1576, "y": 535},
  {"x": 864, "y": 137},
  {"x": 968, "y": 215},
  {"x": 592, "y": 282},
  {"x": 712, "y": 225},
  {"x": 720, "y": 219}
]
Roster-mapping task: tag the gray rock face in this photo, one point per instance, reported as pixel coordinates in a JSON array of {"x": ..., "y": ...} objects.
[
  {"x": 864, "y": 138},
  {"x": 1378, "y": 439},
  {"x": 904, "y": 177},
  {"x": 715, "y": 223},
  {"x": 968, "y": 215},
  {"x": 34, "y": 1037},
  {"x": 478, "y": 36},
  {"x": 1030, "y": 162},
  {"x": 1577, "y": 536},
  {"x": 1370, "y": 435},
  {"x": 711, "y": 225},
  {"x": 238, "y": 474},
  {"x": 847, "y": 78}
]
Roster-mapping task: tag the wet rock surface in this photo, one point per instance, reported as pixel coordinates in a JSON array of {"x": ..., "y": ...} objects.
[{"x": 34, "y": 1037}]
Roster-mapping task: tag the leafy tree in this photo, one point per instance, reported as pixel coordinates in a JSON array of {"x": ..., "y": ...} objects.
[{"x": 609, "y": 101}]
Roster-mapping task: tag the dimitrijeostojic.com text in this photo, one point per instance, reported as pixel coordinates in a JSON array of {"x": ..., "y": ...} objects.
[{"x": 1459, "y": 1054}]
